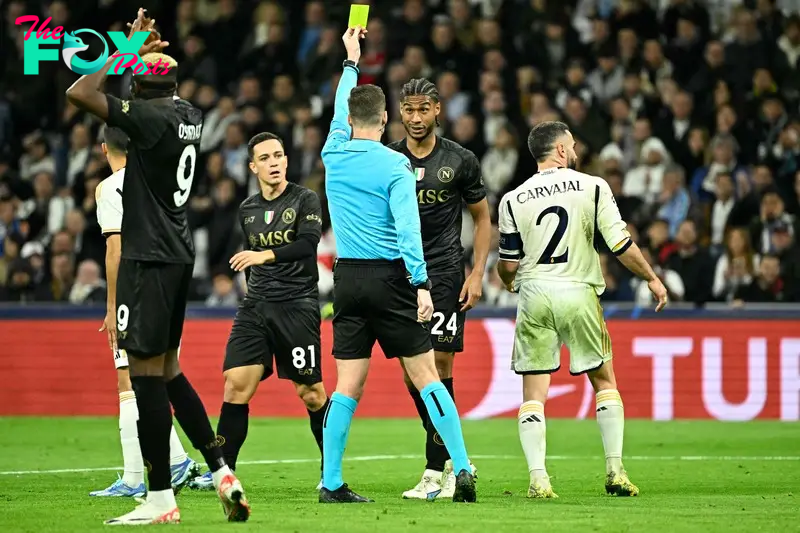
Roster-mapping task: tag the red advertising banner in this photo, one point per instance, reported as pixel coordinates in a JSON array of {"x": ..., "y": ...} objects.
[{"x": 666, "y": 369}]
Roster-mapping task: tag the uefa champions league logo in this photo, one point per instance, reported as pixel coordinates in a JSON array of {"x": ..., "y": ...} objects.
[{"x": 127, "y": 50}]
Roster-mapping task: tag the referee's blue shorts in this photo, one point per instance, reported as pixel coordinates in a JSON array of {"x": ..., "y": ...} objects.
[{"x": 373, "y": 300}]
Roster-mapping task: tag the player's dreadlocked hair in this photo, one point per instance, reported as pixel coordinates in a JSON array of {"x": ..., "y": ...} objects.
[{"x": 420, "y": 87}]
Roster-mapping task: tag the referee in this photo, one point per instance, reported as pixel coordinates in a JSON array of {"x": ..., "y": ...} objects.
[{"x": 381, "y": 286}]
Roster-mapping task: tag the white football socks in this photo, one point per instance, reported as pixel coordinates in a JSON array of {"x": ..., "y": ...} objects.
[
  {"x": 533, "y": 437},
  {"x": 164, "y": 500},
  {"x": 177, "y": 454},
  {"x": 133, "y": 475},
  {"x": 219, "y": 474},
  {"x": 611, "y": 419}
]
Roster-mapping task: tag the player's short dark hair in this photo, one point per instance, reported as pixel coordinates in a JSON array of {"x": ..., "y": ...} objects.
[
  {"x": 420, "y": 87},
  {"x": 260, "y": 138},
  {"x": 116, "y": 140},
  {"x": 366, "y": 105},
  {"x": 543, "y": 136}
]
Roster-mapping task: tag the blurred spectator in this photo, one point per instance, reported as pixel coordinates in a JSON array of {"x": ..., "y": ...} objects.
[
  {"x": 500, "y": 163},
  {"x": 671, "y": 280},
  {"x": 223, "y": 293},
  {"x": 219, "y": 215},
  {"x": 89, "y": 287},
  {"x": 645, "y": 180},
  {"x": 721, "y": 208},
  {"x": 673, "y": 201},
  {"x": 79, "y": 152},
  {"x": 736, "y": 267},
  {"x": 607, "y": 79},
  {"x": 771, "y": 217},
  {"x": 57, "y": 287},
  {"x": 37, "y": 158},
  {"x": 45, "y": 212},
  {"x": 766, "y": 287},
  {"x": 19, "y": 286},
  {"x": 723, "y": 160},
  {"x": 629, "y": 206},
  {"x": 693, "y": 264},
  {"x": 617, "y": 289}
]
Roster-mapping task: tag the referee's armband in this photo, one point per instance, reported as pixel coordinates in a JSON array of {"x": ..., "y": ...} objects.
[{"x": 510, "y": 247}]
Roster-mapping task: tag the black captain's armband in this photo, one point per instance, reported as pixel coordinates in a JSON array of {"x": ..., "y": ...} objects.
[{"x": 511, "y": 247}]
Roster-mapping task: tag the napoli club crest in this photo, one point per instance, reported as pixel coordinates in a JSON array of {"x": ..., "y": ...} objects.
[{"x": 446, "y": 174}]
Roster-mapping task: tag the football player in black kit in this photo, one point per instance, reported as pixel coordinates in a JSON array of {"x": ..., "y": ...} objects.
[
  {"x": 155, "y": 272},
  {"x": 448, "y": 176},
  {"x": 280, "y": 316}
]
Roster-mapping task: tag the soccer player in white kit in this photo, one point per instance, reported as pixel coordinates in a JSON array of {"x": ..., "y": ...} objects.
[
  {"x": 109, "y": 215},
  {"x": 549, "y": 226}
]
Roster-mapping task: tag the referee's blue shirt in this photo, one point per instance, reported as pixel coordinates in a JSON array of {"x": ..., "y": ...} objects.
[{"x": 372, "y": 194}]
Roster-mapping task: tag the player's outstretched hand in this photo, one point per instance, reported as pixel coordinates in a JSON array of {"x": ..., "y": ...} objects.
[
  {"x": 153, "y": 42},
  {"x": 660, "y": 292},
  {"x": 110, "y": 327},
  {"x": 471, "y": 292},
  {"x": 248, "y": 258},
  {"x": 424, "y": 306},
  {"x": 351, "y": 42}
]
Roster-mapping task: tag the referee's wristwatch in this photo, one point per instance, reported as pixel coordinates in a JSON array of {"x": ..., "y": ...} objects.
[
  {"x": 425, "y": 285},
  {"x": 350, "y": 63}
]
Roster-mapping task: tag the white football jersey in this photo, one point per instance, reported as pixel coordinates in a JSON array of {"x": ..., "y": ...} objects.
[
  {"x": 549, "y": 224},
  {"x": 109, "y": 203}
]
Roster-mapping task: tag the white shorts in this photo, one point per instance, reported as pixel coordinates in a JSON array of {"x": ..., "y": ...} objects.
[
  {"x": 551, "y": 314},
  {"x": 120, "y": 359}
]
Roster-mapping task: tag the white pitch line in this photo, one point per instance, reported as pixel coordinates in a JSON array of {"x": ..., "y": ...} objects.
[{"x": 417, "y": 457}]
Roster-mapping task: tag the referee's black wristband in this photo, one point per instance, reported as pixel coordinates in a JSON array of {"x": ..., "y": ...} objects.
[{"x": 350, "y": 63}]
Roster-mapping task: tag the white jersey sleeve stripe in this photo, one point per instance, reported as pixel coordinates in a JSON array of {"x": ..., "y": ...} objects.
[{"x": 510, "y": 239}]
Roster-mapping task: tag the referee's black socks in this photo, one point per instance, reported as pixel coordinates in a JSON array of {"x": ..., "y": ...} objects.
[
  {"x": 155, "y": 424},
  {"x": 232, "y": 427},
  {"x": 435, "y": 451},
  {"x": 192, "y": 416}
]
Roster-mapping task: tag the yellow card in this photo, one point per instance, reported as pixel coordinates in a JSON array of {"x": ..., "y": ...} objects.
[{"x": 358, "y": 16}]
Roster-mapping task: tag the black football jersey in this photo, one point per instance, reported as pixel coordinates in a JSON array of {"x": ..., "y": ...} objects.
[
  {"x": 271, "y": 224},
  {"x": 449, "y": 176},
  {"x": 162, "y": 159}
]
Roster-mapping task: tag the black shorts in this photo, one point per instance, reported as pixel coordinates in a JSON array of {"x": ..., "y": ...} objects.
[
  {"x": 373, "y": 300},
  {"x": 447, "y": 324},
  {"x": 151, "y": 305},
  {"x": 289, "y": 331}
]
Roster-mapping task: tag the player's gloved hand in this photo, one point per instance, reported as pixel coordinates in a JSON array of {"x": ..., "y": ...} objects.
[
  {"x": 248, "y": 258},
  {"x": 424, "y": 306},
  {"x": 110, "y": 327},
  {"x": 659, "y": 292},
  {"x": 351, "y": 42},
  {"x": 471, "y": 292}
]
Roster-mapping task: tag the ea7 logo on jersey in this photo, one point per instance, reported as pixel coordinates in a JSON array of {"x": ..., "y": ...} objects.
[
  {"x": 249, "y": 220},
  {"x": 446, "y": 174},
  {"x": 314, "y": 218}
]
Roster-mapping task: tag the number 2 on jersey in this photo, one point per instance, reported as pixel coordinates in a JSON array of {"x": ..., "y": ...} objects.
[
  {"x": 185, "y": 175},
  {"x": 563, "y": 219}
]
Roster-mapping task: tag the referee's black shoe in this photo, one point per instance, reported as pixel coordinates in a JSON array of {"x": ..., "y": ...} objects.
[
  {"x": 465, "y": 487},
  {"x": 344, "y": 495}
]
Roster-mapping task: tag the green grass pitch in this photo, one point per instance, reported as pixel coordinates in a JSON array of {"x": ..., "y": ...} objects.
[{"x": 693, "y": 476}]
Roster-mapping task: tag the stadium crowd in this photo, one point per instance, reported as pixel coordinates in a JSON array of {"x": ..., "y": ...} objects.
[{"x": 688, "y": 109}]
